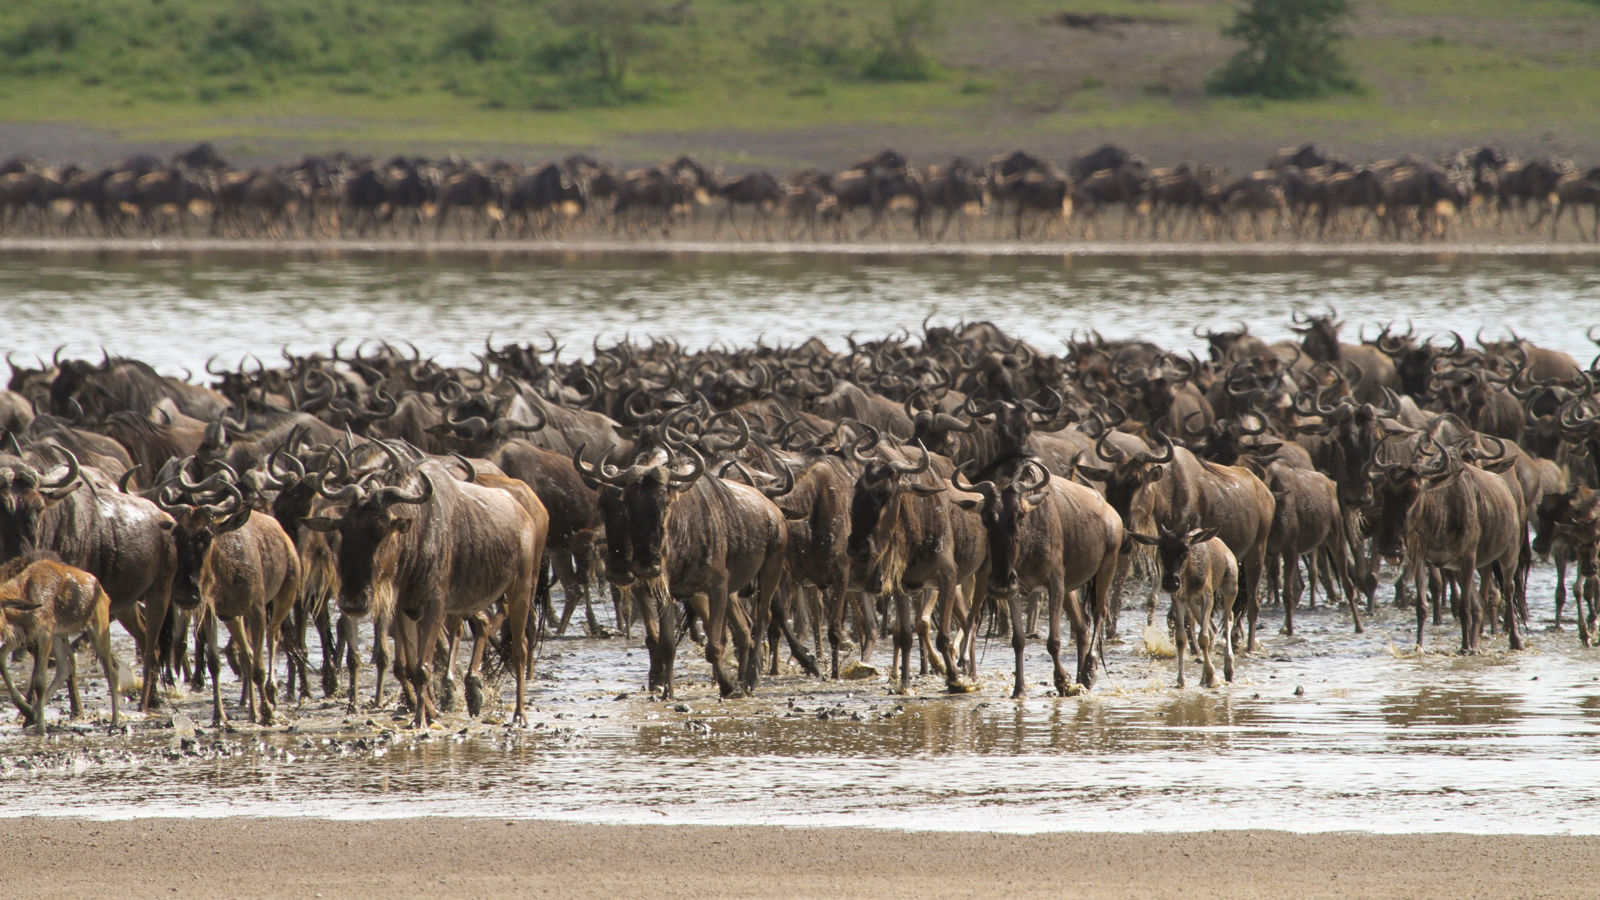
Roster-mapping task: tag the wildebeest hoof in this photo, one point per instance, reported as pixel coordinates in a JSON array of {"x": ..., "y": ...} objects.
[
  {"x": 1072, "y": 690},
  {"x": 962, "y": 687},
  {"x": 474, "y": 692},
  {"x": 272, "y": 692}
]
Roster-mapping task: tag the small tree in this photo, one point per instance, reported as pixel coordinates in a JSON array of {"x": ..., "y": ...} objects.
[
  {"x": 1291, "y": 50},
  {"x": 899, "y": 52},
  {"x": 613, "y": 29}
]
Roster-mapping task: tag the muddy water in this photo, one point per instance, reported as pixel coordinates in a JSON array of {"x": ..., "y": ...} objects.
[{"x": 1323, "y": 731}]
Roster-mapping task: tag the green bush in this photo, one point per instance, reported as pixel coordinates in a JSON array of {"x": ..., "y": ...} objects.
[
  {"x": 1291, "y": 51},
  {"x": 53, "y": 31},
  {"x": 899, "y": 52}
]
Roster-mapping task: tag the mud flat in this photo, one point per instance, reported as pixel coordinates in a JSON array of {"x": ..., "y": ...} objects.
[{"x": 490, "y": 858}]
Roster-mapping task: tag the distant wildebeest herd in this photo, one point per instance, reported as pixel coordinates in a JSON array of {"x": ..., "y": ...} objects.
[
  {"x": 762, "y": 497},
  {"x": 1301, "y": 194}
]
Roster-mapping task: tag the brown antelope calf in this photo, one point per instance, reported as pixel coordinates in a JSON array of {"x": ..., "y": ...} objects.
[
  {"x": 1199, "y": 571},
  {"x": 43, "y": 603}
]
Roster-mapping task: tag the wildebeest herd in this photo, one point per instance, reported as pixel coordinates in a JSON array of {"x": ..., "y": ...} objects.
[
  {"x": 762, "y": 497},
  {"x": 1303, "y": 193}
]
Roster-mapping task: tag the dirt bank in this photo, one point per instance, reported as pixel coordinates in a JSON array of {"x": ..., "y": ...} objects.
[{"x": 484, "y": 859}]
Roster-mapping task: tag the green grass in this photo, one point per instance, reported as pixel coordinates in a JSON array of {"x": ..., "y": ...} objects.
[{"x": 371, "y": 75}]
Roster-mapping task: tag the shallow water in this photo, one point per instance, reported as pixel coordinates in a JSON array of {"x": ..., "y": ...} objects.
[
  {"x": 1380, "y": 739},
  {"x": 175, "y": 310}
]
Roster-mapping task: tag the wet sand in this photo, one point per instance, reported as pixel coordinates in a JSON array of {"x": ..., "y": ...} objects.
[{"x": 489, "y": 858}]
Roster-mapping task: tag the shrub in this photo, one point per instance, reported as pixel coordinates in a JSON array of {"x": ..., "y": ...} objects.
[
  {"x": 899, "y": 52},
  {"x": 1291, "y": 50}
]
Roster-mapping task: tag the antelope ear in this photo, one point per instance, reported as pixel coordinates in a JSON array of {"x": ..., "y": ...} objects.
[
  {"x": 1092, "y": 474},
  {"x": 321, "y": 523},
  {"x": 967, "y": 504},
  {"x": 1500, "y": 465},
  {"x": 1270, "y": 447},
  {"x": 1200, "y": 536},
  {"x": 1144, "y": 538},
  {"x": 401, "y": 526},
  {"x": 21, "y": 605},
  {"x": 1151, "y": 475}
]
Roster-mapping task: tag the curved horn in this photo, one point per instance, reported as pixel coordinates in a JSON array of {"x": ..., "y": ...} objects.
[
  {"x": 1037, "y": 483},
  {"x": 914, "y": 468},
  {"x": 72, "y": 473},
  {"x": 697, "y": 468},
  {"x": 389, "y": 496},
  {"x": 472, "y": 471}
]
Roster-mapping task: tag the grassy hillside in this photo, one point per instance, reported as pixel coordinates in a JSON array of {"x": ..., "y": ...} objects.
[{"x": 756, "y": 80}]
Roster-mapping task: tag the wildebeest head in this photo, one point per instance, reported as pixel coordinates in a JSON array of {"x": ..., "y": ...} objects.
[
  {"x": 25, "y": 493},
  {"x": 367, "y": 558},
  {"x": 1574, "y": 515},
  {"x": 198, "y": 525},
  {"x": 1401, "y": 485},
  {"x": 1319, "y": 334},
  {"x": 1355, "y": 431},
  {"x": 880, "y": 482},
  {"x": 1222, "y": 442},
  {"x": 1005, "y": 505},
  {"x": 634, "y": 503},
  {"x": 1128, "y": 474},
  {"x": 1172, "y": 547}
]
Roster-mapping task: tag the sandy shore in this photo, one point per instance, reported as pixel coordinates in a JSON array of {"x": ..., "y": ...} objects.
[
  {"x": 490, "y": 858},
  {"x": 1499, "y": 245}
]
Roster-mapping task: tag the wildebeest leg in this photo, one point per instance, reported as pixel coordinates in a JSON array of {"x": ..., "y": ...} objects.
[
  {"x": 717, "y": 602},
  {"x": 902, "y": 637},
  {"x": 208, "y": 629},
  {"x": 260, "y": 663},
  {"x": 1180, "y": 610},
  {"x": 1058, "y": 600},
  {"x": 797, "y": 647},
  {"x": 1591, "y": 595},
  {"x": 517, "y": 611},
  {"x": 1227, "y": 595},
  {"x": 347, "y": 629},
  {"x": 420, "y": 668},
  {"x": 1208, "y": 640},
  {"x": 152, "y": 610},
  {"x": 108, "y": 664},
  {"x": 330, "y": 652},
  {"x": 866, "y": 620},
  {"x": 472, "y": 685},
  {"x": 1471, "y": 607},
  {"x": 1507, "y": 587},
  {"x": 1019, "y": 642},
  {"x": 645, "y": 603},
  {"x": 1275, "y": 590},
  {"x": 949, "y": 594},
  {"x": 1561, "y": 589},
  {"x": 1421, "y": 598}
]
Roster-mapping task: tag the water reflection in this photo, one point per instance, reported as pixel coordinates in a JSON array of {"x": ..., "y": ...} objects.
[{"x": 234, "y": 303}]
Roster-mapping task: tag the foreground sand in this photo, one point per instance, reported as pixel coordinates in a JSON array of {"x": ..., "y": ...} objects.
[{"x": 491, "y": 858}]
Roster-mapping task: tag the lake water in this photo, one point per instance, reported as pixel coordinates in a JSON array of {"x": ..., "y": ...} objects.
[{"x": 1375, "y": 739}]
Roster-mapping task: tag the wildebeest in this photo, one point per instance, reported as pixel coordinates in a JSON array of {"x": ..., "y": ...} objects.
[
  {"x": 440, "y": 548},
  {"x": 1050, "y": 533},
  {"x": 238, "y": 566},
  {"x": 675, "y": 533},
  {"x": 1460, "y": 518},
  {"x": 1201, "y": 574}
]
